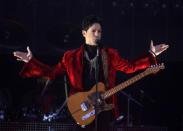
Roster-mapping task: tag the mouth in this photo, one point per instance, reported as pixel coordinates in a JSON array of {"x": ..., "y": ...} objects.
[{"x": 97, "y": 39}]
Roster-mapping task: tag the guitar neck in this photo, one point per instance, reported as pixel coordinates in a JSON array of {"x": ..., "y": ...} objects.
[{"x": 124, "y": 84}]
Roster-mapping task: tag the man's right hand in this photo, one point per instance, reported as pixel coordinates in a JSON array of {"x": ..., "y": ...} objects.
[{"x": 23, "y": 56}]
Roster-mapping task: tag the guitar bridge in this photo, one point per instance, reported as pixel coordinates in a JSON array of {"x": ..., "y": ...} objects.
[{"x": 85, "y": 106}]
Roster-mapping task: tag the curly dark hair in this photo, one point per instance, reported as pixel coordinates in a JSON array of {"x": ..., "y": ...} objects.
[{"x": 89, "y": 21}]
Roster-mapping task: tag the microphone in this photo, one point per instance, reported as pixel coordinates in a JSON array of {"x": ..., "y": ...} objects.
[{"x": 98, "y": 41}]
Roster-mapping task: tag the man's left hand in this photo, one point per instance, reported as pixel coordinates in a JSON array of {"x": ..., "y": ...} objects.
[{"x": 158, "y": 49}]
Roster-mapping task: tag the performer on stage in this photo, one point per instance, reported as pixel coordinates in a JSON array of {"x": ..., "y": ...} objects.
[{"x": 79, "y": 64}]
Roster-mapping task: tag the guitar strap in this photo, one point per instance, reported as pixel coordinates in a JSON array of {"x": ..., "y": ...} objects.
[{"x": 105, "y": 67}]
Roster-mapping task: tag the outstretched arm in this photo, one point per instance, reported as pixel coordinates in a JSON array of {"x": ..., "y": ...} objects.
[
  {"x": 140, "y": 63},
  {"x": 34, "y": 68}
]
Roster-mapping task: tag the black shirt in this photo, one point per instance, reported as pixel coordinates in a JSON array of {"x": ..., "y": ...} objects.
[{"x": 88, "y": 73}]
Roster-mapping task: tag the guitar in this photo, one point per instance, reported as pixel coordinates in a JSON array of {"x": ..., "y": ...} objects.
[{"x": 81, "y": 105}]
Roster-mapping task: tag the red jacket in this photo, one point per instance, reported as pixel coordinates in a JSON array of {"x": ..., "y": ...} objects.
[{"x": 72, "y": 64}]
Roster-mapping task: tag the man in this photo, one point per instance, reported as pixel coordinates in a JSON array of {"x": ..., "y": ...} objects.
[{"x": 80, "y": 64}]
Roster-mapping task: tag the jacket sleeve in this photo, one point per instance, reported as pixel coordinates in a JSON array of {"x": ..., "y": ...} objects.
[
  {"x": 35, "y": 68},
  {"x": 130, "y": 66}
]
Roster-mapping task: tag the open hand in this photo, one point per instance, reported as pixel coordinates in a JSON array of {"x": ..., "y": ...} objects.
[
  {"x": 158, "y": 49},
  {"x": 23, "y": 56}
]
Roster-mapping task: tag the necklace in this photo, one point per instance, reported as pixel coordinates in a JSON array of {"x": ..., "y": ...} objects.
[{"x": 91, "y": 61}]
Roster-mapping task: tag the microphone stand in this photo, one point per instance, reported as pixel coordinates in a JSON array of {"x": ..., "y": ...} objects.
[
  {"x": 130, "y": 98},
  {"x": 97, "y": 79}
]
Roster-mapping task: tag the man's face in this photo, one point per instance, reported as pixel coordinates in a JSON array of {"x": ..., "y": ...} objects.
[{"x": 92, "y": 34}]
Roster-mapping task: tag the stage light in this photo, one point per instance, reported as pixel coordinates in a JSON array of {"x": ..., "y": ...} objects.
[
  {"x": 177, "y": 5},
  {"x": 146, "y": 5},
  {"x": 114, "y": 4},
  {"x": 131, "y": 4},
  {"x": 164, "y": 5}
]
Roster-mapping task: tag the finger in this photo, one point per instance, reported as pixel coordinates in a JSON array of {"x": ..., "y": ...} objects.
[
  {"x": 164, "y": 46},
  {"x": 28, "y": 49},
  {"x": 14, "y": 53},
  {"x": 29, "y": 55},
  {"x": 18, "y": 59},
  {"x": 163, "y": 49},
  {"x": 18, "y": 54},
  {"x": 152, "y": 43}
]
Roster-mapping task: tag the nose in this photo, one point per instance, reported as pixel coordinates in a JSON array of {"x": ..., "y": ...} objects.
[{"x": 97, "y": 33}]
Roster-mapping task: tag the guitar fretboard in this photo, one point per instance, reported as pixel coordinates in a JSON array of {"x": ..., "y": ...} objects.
[{"x": 125, "y": 84}]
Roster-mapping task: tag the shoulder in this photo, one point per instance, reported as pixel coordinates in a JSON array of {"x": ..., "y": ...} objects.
[
  {"x": 74, "y": 52},
  {"x": 110, "y": 50}
]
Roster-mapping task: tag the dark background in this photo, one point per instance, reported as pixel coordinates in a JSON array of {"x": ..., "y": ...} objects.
[{"x": 51, "y": 27}]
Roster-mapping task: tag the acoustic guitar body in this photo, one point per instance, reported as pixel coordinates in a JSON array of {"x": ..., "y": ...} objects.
[{"x": 81, "y": 105}]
